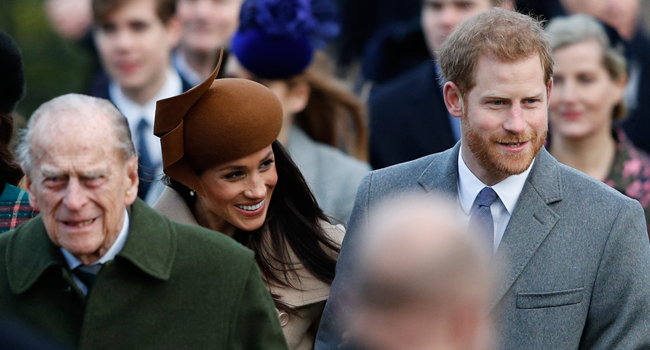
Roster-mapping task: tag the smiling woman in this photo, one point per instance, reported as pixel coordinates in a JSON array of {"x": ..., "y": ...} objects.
[
  {"x": 587, "y": 104},
  {"x": 227, "y": 172}
]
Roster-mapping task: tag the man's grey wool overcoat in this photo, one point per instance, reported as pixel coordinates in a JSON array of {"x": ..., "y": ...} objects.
[{"x": 575, "y": 254}]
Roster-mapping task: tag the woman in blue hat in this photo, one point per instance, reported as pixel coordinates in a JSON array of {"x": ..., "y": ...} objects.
[{"x": 277, "y": 45}]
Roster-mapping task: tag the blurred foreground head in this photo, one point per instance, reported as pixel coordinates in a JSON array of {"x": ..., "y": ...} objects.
[{"x": 422, "y": 283}]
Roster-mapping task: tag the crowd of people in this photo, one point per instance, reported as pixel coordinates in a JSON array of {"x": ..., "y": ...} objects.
[{"x": 214, "y": 187}]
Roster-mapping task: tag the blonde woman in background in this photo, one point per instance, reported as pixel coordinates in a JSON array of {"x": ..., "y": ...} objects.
[{"x": 586, "y": 107}]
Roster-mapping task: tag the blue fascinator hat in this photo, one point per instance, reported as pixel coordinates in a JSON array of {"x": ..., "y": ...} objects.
[{"x": 276, "y": 39}]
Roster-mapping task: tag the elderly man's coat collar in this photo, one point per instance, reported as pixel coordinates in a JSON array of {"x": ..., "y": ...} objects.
[
  {"x": 151, "y": 246},
  {"x": 533, "y": 213}
]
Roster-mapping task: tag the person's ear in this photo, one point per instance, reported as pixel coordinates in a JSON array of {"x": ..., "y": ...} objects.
[
  {"x": 298, "y": 97},
  {"x": 174, "y": 31},
  {"x": 29, "y": 188},
  {"x": 620, "y": 88},
  {"x": 131, "y": 181},
  {"x": 453, "y": 99},
  {"x": 549, "y": 89}
]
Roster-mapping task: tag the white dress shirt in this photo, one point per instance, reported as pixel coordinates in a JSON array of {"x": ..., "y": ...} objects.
[
  {"x": 508, "y": 191},
  {"x": 117, "y": 246}
]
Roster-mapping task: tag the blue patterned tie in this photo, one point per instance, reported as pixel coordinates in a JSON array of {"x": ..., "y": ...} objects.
[
  {"x": 481, "y": 218},
  {"x": 146, "y": 167}
]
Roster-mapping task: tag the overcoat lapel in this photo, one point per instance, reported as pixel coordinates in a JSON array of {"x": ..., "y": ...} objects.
[
  {"x": 30, "y": 254},
  {"x": 442, "y": 174},
  {"x": 531, "y": 221}
]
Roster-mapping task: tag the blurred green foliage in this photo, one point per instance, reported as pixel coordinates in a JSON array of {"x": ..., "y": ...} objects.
[{"x": 53, "y": 67}]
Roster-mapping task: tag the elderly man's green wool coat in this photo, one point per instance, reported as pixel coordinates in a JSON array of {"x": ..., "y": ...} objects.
[{"x": 173, "y": 286}]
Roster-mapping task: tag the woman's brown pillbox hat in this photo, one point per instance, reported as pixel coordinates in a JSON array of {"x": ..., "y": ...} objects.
[{"x": 214, "y": 122}]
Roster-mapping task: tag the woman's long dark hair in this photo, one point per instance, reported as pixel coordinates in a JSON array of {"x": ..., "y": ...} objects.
[
  {"x": 10, "y": 172},
  {"x": 294, "y": 219}
]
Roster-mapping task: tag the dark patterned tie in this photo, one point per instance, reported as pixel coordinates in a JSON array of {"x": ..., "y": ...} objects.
[
  {"x": 481, "y": 218},
  {"x": 87, "y": 274},
  {"x": 146, "y": 167}
]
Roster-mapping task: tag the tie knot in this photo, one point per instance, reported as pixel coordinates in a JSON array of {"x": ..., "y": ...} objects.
[
  {"x": 143, "y": 126},
  {"x": 87, "y": 273},
  {"x": 486, "y": 197},
  {"x": 94, "y": 269}
]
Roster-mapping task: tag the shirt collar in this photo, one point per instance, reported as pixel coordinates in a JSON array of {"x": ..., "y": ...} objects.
[
  {"x": 117, "y": 246},
  {"x": 193, "y": 77},
  {"x": 151, "y": 246},
  {"x": 133, "y": 111},
  {"x": 469, "y": 186}
]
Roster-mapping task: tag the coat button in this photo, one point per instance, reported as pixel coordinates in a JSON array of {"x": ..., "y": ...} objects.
[{"x": 284, "y": 318}]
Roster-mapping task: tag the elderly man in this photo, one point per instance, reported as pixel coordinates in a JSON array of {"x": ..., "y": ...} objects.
[
  {"x": 577, "y": 260},
  {"x": 422, "y": 282},
  {"x": 99, "y": 269}
]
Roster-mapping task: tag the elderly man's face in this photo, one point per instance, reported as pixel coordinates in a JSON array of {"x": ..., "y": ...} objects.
[{"x": 81, "y": 185}]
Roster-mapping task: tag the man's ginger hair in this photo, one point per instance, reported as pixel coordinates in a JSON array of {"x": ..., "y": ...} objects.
[{"x": 506, "y": 35}]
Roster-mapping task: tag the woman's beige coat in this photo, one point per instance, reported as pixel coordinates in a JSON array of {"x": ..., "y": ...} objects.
[{"x": 308, "y": 300}]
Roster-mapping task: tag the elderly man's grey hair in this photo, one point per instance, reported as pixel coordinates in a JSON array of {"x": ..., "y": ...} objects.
[{"x": 79, "y": 106}]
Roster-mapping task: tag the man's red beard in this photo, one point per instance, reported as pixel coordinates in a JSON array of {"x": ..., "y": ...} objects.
[{"x": 492, "y": 160}]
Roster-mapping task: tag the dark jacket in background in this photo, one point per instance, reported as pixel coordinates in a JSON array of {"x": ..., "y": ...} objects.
[
  {"x": 360, "y": 19},
  {"x": 16, "y": 336},
  {"x": 408, "y": 118},
  {"x": 637, "y": 124}
]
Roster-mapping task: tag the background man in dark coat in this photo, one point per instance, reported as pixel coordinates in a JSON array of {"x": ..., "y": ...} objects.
[
  {"x": 574, "y": 252},
  {"x": 408, "y": 118},
  {"x": 99, "y": 269}
]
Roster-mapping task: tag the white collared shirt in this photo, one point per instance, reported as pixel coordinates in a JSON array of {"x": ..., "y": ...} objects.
[
  {"x": 134, "y": 111},
  {"x": 117, "y": 246},
  {"x": 508, "y": 191}
]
